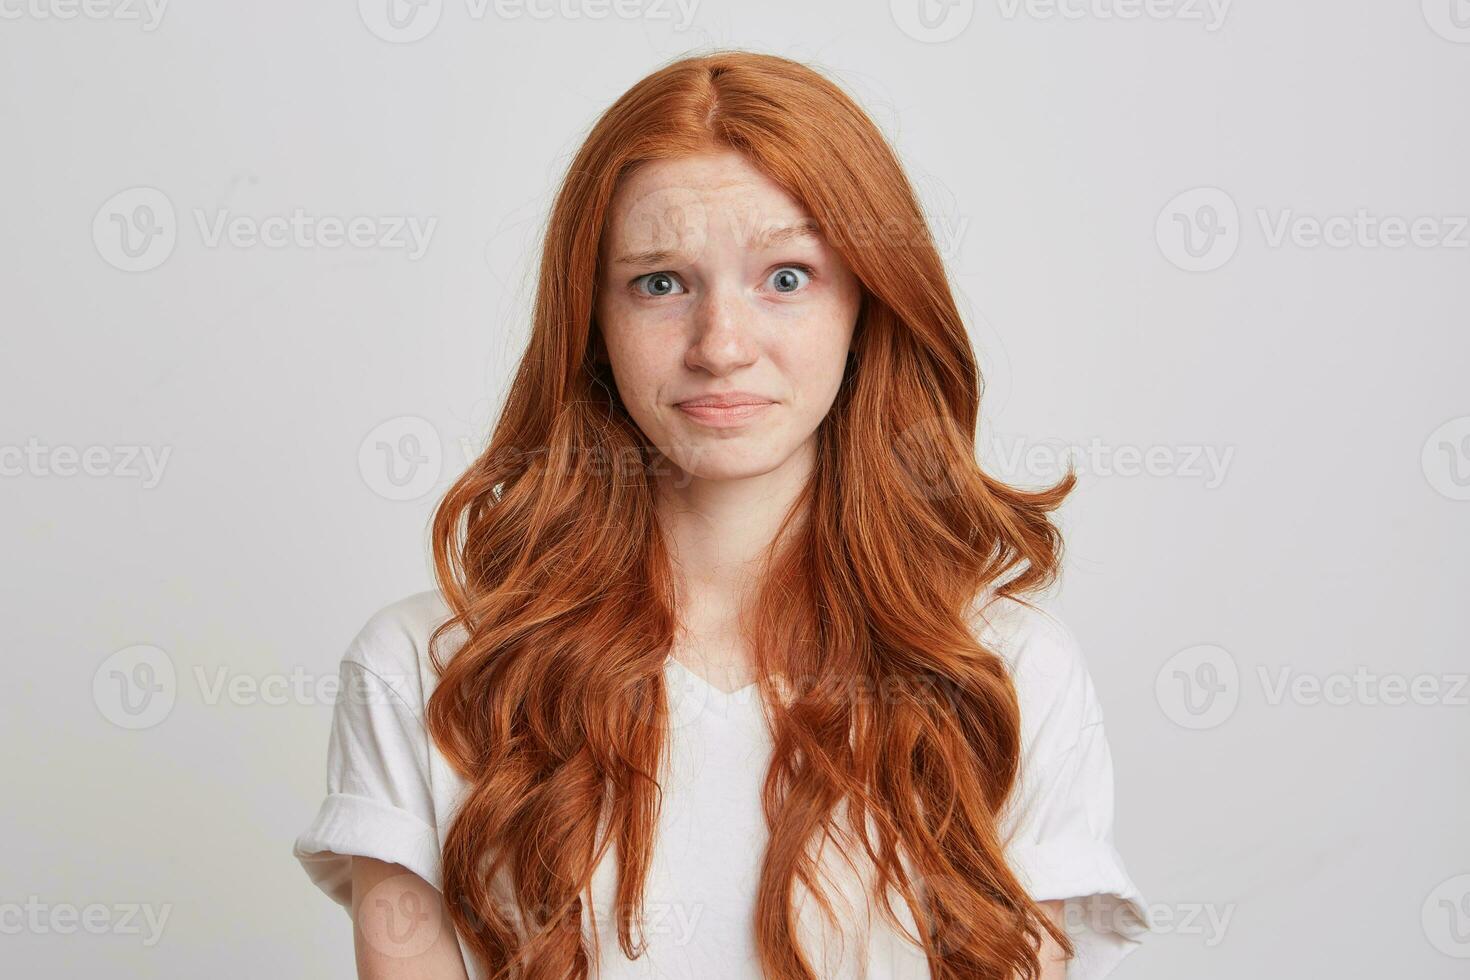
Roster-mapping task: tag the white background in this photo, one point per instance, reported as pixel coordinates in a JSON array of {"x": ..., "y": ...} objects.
[{"x": 1325, "y": 546}]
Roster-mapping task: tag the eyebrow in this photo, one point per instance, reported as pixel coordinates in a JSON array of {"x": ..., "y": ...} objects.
[
  {"x": 805, "y": 228},
  {"x": 655, "y": 257}
]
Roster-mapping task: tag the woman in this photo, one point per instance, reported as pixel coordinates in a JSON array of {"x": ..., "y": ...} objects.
[{"x": 726, "y": 586}]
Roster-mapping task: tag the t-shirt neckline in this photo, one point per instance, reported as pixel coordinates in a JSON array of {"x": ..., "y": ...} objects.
[{"x": 710, "y": 691}]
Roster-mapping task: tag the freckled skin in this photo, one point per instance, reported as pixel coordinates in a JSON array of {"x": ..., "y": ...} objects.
[{"x": 724, "y": 309}]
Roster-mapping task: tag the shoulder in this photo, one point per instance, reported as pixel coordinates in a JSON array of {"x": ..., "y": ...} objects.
[
  {"x": 393, "y": 644},
  {"x": 1046, "y": 664},
  {"x": 1028, "y": 637}
]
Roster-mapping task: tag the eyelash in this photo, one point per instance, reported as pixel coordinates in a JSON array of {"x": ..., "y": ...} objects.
[{"x": 811, "y": 275}]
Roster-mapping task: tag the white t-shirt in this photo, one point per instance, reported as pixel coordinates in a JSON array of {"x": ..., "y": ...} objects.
[{"x": 391, "y": 796}]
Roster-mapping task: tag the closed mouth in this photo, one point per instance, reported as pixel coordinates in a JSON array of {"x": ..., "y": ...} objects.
[{"x": 723, "y": 401}]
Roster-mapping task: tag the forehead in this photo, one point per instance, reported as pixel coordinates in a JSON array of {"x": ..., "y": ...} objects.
[{"x": 666, "y": 203}]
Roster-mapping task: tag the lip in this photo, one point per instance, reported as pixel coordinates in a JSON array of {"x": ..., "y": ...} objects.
[
  {"x": 725, "y": 409},
  {"x": 725, "y": 399}
]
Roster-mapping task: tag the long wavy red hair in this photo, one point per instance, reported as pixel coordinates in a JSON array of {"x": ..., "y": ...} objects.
[{"x": 549, "y": 555}]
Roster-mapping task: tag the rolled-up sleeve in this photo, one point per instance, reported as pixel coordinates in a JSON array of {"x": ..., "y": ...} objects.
[
  {"x": 379, "y": 802},
  {"x": 1059, "y": 820}
]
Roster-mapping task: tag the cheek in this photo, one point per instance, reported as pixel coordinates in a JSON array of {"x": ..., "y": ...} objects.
[
  {"x": 821, "y": 350},
  {"x": 637, "y": 356}
]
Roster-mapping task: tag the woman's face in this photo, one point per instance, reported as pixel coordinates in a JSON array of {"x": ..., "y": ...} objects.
[{"x": 716, "y": 286}]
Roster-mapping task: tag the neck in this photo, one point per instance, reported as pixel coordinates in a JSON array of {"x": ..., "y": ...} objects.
[{"x": 718, "y": 532}]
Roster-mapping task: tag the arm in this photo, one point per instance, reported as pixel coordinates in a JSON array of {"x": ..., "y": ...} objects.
[
  {"x": 1053, "y": 966},
  {"x": 401, "y": 926}
]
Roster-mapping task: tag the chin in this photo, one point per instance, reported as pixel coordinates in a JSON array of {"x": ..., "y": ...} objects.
[{"x": 726, "y": 462}]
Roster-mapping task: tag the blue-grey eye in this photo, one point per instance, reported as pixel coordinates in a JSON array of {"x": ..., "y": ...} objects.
[
  {"x": 790, "y": 278},
  {"x": 659, "y": 283}
]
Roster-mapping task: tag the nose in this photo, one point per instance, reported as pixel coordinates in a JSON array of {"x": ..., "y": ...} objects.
[{"x": 722, "y": 340}]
